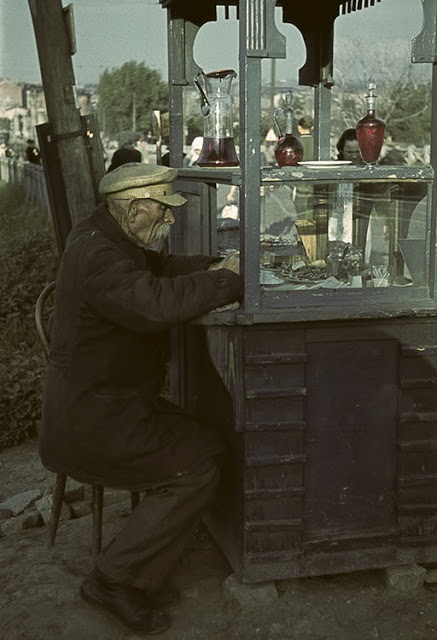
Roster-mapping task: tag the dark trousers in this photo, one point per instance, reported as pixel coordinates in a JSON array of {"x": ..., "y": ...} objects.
[{"x": 146, "y": 550}]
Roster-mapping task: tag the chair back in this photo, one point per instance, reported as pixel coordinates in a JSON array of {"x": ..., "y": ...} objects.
[{"x": 39, "y": 316}]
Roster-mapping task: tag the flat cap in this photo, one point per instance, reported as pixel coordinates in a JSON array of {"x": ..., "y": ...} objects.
[{"x": 140, "y": 180}]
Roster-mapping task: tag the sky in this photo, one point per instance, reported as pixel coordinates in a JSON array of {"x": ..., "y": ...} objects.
[{"x": 110, "y": 32}]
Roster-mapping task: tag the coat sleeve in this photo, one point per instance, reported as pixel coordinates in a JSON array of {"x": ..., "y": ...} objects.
[
  {"x": 172, "y": 265},
  {"x": 140, "y": 301}
]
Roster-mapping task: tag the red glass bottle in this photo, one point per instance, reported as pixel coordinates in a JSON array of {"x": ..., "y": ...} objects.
[
  {"x": 370, "y": 129},
  {"x": 289, "y": 150}
]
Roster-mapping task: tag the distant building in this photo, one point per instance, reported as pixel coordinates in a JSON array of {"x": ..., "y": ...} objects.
[
  {"x": 24, "y": 106},
  {"x": 10, "y": 94}
]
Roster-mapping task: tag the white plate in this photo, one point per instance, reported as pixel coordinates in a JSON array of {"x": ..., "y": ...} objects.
[{"x": 321, "y": 164}]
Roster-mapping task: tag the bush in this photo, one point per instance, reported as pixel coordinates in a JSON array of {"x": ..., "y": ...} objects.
[{"x": 29, "y": 261}]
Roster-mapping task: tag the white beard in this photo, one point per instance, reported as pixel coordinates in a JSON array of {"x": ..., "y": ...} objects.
[
  {"x": 163, "y": 230},
  {"x": 161, "y": 233}
]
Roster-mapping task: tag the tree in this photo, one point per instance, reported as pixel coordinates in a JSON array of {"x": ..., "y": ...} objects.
[
  {"x": 407, "y": 113},
  {"x": 266, "y": 125},
  {"x": 194, "y": 127},
  {"x": 128, "y": 95}
]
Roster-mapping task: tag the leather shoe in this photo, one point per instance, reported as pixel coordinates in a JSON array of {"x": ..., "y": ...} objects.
[{"x": 125, "y": 602}]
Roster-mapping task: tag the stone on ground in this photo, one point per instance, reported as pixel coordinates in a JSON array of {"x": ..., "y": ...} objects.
[
  {"x": 18, "y": 503},
  {"x": 431, "y": 576},
  {"x": 16, "y": 524},
  {"x": 73, "y": 491},
  {"x": 44, "y": 506},
  {"x": 406, "y": 578},
  {"x": 81, "y": 508},
  {"x": 248, "y": 597}
]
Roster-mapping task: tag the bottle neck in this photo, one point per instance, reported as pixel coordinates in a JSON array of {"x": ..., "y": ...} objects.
[
  {"x": 371, "y": 103},
  {"x": 289, "y": 123}
]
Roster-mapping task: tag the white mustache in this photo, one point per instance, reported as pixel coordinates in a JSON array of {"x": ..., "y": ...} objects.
[{"x": 163, "y": 230}]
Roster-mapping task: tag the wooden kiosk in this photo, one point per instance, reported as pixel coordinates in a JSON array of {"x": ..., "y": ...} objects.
[{"x": 327, "y": 395}]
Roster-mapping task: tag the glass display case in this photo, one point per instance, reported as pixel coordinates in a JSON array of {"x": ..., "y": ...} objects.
[
  {"x": 381, "y": 213},
  {"x": 326, "y": 228}
]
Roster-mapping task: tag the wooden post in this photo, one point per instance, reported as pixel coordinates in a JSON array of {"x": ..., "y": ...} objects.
[{"x": 54, "y": 44}]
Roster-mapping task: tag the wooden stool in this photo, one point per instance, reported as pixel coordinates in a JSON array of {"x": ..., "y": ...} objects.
[
  {"x": 97, "y": 509},
  {"x": 61, "y": 478}
]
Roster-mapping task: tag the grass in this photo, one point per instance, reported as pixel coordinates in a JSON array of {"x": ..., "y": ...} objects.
[{"x": 29, "y": 259}]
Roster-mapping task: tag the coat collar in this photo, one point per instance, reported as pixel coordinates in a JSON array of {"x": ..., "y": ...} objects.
[{"x": 107, "y": 224}]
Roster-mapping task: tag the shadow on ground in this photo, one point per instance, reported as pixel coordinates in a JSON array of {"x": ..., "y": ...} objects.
[{"x": 39, "y": 589}]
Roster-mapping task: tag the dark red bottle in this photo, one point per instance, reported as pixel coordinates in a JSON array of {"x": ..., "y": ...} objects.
[
  {"x": 289, "y": 150},
  {"x": 370, "y": 129}
]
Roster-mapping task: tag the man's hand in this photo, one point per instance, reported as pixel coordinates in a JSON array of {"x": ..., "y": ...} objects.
[
  {"x": 215, "y": 266},
  {"x": 231, "y": 262}
]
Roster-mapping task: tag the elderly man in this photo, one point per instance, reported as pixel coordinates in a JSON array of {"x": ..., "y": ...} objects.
[{"x": 103, "y": 420}]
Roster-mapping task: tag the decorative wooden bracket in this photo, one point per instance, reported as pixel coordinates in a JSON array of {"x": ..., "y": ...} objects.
[{"x": 424, "y": 46}]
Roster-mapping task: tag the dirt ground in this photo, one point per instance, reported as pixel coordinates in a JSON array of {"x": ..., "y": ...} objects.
[{"x": 39, "y": 589}]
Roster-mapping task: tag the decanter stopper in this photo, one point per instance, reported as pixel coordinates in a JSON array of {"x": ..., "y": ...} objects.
[
  {"x": 288, "y": 112},
  {"x": 371, "y": 95}
]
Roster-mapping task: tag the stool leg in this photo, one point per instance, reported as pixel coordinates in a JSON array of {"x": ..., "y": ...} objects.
[
  {"x": 58, "y": 498},
  {"x": 97, "y": 505},
  {"x": 134, "y": 499}
]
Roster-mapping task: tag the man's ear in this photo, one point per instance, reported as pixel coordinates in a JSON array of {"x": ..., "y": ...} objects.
[{"x": 132, "y": 210}]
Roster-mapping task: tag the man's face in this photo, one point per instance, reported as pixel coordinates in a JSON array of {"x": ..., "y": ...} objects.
[
  {"x": 150, "y": 221},
  {"x": 351, "y": 152}
]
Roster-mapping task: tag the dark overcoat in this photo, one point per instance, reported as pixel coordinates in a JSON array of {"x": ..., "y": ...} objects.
[{"x": 102, "y": 418}]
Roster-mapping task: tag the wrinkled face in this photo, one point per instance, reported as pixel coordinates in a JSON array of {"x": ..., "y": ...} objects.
[
  {"x": 351, "y": 152},
  {"x": 148, "y": 221}
]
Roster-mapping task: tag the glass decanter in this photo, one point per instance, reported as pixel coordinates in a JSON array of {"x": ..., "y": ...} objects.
[
  {"x": 370, "y": 129},
  {"x": 289, "y": 150},
  {"x": 218, "y": 149}
]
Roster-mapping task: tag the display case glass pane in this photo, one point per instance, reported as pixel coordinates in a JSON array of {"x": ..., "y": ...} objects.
[{"x": 344, "y": 235}]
